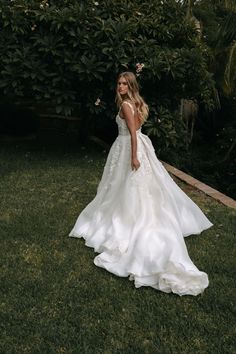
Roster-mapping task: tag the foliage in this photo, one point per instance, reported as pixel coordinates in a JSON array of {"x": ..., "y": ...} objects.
[
  {"x": 67, "y": 54},
  {"x": 165, "y": 128},
  {"x": 219, "y": 31},
  {"x": 230, "y": 71},
  {"x": 213, "y": 149}
]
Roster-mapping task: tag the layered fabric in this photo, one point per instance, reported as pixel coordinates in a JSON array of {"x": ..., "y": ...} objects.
[{"x": 138, "y": 220}]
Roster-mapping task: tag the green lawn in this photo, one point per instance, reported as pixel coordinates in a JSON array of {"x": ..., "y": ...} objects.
[{"x": 54, "y": 299}]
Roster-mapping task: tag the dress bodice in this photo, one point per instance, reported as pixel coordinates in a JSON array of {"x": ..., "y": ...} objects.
[{"x": 122, "y": 126}]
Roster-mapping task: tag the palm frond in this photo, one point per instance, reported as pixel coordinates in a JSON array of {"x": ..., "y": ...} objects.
[
  {"x": 227, "y": 31},
  {"x": 230, "y": 70},
  {"x": 228, "y": 4}
]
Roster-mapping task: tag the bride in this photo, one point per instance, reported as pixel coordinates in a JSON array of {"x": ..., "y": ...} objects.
[{"x": 139, "y": 218}]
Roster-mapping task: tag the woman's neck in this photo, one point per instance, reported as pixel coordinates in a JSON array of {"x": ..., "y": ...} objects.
[{"x": 124, "y": 98}]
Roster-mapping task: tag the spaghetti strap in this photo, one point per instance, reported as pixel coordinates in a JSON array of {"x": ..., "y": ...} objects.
[{"x": 129, "y": 104}]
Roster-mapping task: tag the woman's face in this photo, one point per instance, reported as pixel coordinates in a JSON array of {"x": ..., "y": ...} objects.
[{"x": 122, "y": 86}]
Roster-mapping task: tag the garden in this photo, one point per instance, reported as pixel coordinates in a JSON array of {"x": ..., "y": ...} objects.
[
  {"x": 61, "y": 59},
  {"x": 59, "y": 64}
]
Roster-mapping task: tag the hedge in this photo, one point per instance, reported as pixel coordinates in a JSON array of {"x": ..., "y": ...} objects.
[{"x": 64, "y": 56}]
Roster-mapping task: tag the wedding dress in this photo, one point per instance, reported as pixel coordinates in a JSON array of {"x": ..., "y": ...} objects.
[{"x": 138, "y": 221}]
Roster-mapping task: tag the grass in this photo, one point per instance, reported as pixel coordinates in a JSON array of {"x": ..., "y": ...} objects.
[{"x": 54, "y": 300}]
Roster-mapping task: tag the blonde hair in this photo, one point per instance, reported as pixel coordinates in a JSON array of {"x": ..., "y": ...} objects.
[{"x": 133, "y": 95}]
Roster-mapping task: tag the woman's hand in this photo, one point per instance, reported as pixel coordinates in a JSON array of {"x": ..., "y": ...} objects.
[{"x": 135, "y": 164}]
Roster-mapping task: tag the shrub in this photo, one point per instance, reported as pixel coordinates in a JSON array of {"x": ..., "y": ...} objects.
[{"x": 67, "y": 54}]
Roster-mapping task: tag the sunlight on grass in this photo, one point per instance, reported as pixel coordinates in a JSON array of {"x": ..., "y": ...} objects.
[{"x": 54, "y": 300}]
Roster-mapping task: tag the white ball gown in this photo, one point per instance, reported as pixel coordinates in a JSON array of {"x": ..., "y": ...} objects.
[{"x": 138, "y": 221}]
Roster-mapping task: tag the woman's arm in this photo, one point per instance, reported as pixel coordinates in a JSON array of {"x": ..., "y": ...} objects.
[{"x": 129, "y": 117}]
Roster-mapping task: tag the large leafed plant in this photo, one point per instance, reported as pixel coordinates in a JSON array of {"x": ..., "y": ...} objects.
[{"x": 64, "y": 57}]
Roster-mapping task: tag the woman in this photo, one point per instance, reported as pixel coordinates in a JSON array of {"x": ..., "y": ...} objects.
[{"x": 139, "y": 217}]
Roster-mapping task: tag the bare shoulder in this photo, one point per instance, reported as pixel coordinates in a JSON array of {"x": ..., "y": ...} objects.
[
  {"x": 127, "y": 106},
  {"x": 129, "y": 103}
]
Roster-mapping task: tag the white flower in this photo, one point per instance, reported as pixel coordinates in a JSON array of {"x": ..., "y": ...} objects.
[
  {"x": 98, "y": 101},
  {"x": 96, "y": 3},
  {"x": 43, "y": 4},
  {"x": 139, "y": 67}
]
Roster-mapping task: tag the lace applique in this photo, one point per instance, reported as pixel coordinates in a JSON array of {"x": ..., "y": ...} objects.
[
  {"x": 141, "y": 177},
  {"x": 115, "y": 161},
  {"x": 122, "y": 126}
]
